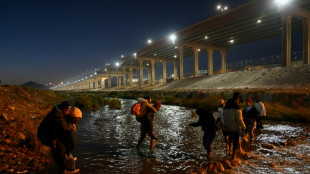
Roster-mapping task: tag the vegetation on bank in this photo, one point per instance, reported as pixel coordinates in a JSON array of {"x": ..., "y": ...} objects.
[
  {"x": 280, "y": 106},
  {"x": 90, "y": 101}
]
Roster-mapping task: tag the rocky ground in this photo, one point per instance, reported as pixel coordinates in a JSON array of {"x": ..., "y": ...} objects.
[{"x": 21, "y": 111}]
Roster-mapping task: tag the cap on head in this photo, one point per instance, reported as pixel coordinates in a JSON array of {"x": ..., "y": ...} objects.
[
  {"x": 76, "y": 112},
  {"x": 64, "y": 105}
]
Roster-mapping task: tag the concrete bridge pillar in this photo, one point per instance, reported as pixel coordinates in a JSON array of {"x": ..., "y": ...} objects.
[
  {"x": 175, "y": 70},
  {"x": 210, "y": 62},
  {"x": 164, "y": 71},
  {"x": 130, "y": 76},
  {"x": 96, "y": 83},
  {"x": 153, "y": 72},
  {"x": 102, "y": 82},
  {"x": 195, "y": 50},
  {"x": 141, "y": 73},
  {"x": 306, "y": 41},
  {"x": 286, "y": 39},
  {"x": 109, "y": 82},
  {"x": 119, "y": 79},
  {"x": 181, "y": 61},
  {"x": 223, "y": 63},
  {"x": 149, "y": 76}
]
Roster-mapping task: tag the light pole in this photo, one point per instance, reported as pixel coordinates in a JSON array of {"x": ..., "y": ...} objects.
[{"x": 222, "y": 8}]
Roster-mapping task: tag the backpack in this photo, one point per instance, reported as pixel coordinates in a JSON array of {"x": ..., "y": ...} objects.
[{"x": 135, "y": 109}]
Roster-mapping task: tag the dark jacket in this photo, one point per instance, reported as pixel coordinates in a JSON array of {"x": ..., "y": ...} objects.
[
  {"x": 53, "y": 126},
  {"x": 206, "y": 121}
]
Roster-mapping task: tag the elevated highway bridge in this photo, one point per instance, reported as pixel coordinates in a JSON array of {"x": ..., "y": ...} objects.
[{"x": 249, "y": 22}]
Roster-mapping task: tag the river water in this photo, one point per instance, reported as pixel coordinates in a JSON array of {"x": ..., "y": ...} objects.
[{"x": 106, "y": 143}]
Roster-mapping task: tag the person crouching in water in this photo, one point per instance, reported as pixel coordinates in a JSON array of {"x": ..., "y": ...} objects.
[
  {"x": 207, "y": 123},
  {"x": 146, "y": 119},
  {"x": 69, "y": 138}
]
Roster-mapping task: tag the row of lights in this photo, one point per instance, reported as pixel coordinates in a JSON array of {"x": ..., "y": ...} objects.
[{"x": 173, "y": 37}]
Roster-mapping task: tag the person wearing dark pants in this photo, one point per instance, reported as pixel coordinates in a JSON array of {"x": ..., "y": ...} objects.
[
  {"x": 207, "y": 123},
  {"x": 233, "y": 121}
]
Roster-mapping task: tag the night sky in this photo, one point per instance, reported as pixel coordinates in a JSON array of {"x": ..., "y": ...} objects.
[{"x": 50, "y": 41}]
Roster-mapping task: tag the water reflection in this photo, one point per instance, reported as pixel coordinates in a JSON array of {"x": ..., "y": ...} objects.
[{"x": 107, "y": 139}]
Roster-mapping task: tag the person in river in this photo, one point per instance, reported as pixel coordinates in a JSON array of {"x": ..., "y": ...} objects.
[
  {"x": 146, "y": 119},
  {"x": 261, "y": 112},
  {"x": 68, "y": 138},
  {"x": 221, "y": 105},
  {"x": 249, "y": 118},
  {"x": 48, "y": 132},
  {"x": 208, "y": 126},
  {"x": 233, "y": 122}
]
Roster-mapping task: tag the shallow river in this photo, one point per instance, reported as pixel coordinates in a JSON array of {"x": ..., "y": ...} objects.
[{"x": 107, "y": 141}]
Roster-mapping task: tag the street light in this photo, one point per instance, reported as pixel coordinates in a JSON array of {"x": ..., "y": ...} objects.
[
  {"x": 149, "y": 41},
  {"x": 173, "y": 38},
  {"x": 220, "y": 7},
  {"x": 282, "y": 2}
]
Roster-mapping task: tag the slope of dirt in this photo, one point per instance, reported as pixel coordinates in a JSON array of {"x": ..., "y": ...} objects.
[
  {"x": 277, "y": 78},
  {"x": 21, "y": 111}
]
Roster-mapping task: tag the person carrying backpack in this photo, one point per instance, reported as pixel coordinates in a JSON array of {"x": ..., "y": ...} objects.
[{"x": 145, "y": 117}]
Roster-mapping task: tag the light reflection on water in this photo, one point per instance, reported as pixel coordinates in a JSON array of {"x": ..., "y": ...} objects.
[{"x": 107, "y": 139}]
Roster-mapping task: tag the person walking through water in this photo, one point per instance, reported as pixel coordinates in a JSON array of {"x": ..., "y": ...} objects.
[
  {"x": 249, "y": 114},
  {"x": 48, "y": 132},
  {"x": 221, "y": 105},
  {"x": 233, "y": 122},
  {"x": 261, "y": 112},
  {"x": 207, "y": 123},
  {"x": 146, "y": 119}
]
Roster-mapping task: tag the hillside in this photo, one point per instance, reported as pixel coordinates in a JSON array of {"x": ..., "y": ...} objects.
[
  {"x": 296, "y": 77},
  {"x": 21, "y": 111}
]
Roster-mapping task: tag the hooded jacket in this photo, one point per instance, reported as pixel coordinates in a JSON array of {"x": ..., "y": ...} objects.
[{"x": 233, "y": 117}]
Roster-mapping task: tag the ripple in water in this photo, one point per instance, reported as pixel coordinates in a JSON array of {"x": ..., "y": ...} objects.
[{"x": 107, "y": 139}]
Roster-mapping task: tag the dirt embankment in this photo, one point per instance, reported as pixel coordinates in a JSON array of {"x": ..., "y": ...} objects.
[
  {"x": 286, "y": 78},
  {"x": 21, "y": 111}
]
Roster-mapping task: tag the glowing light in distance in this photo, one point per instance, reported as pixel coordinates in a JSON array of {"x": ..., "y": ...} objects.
[
  {"x": 173, "y": 38},
  {"x": 259, "y": 21},
  {"x": 282, "y": 2},
  {"x": 149, "y": 41},
  {"x": 232, "y": 41},
  {"x": 206, "y": 37},
  {"x": 117, "y": 64}
]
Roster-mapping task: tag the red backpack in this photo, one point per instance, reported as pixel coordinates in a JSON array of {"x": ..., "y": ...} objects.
[{"x": 135, "y": 109}]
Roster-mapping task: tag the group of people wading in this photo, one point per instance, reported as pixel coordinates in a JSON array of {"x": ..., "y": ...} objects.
[
  {"x": 236, "y": 123},
  {"x": 58, "y": 128}
]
